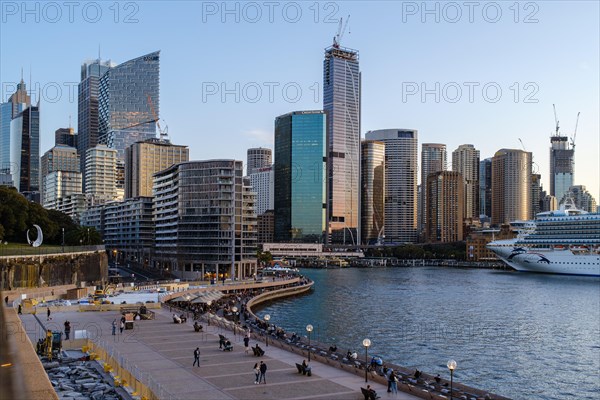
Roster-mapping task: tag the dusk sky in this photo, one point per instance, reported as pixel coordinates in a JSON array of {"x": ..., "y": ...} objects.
[{"x": 485, "y": 73}]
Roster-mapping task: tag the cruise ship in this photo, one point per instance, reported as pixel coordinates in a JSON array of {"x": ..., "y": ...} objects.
[{"x": 565, "y": 241}]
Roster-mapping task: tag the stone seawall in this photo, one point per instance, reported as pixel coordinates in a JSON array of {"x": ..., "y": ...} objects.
[{"x": 53, "y": 270}]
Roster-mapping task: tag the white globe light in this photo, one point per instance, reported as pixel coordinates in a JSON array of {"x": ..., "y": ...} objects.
[
  {"x": 309, "y": 328},
  {"x": 366, "y": 342},
  {"x": 451, "y": 365}
]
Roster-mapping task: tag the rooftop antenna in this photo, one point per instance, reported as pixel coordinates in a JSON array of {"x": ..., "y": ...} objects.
[
  {"x": 21, "y": 74},
  {"x": 69, "y": 122},
  {"x": 555, "y": 119},
  {"x": 99, "y": 53}
]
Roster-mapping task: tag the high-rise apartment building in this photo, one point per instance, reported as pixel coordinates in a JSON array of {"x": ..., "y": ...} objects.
[
  {"x": 258, "y": 158},
  {"x": 561, "y": 166},
  {"x": 445, "y": 206},
  {"x": 341, "y": 102},
  {"x": 129, "y": 103},
  {"x": 16, "y": 103},
  {"x": 59, "y": 184},
  {"x": 66, "y": 137},
  {"x": 400, "y": 183},
  {"x": 511, "y": 186},
  {"x": 25, "y": 152},
  {"x": 262, "y": 181},
  {"x": 144, "y": 159},
  {"x": 536, "y": 195},
  {"x": 581, "y": 197},
  {"x": 373, "y": 191},
  {"x": 59, "y": 158},
  {"x": 485, "y": 187},
  {"x": 265, "y": 227},
  {"x": 433, "y": 159},
  {"x": 100, "y": 174},
  {"x": 465, "y": 160},
  {"x": 300, "y": 154},
  {"x": 204, "y": 220},
  {"x": 87, "y": 107}
]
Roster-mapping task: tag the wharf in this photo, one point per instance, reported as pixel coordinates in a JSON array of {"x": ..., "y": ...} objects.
[{"x": 161, "y": 351}]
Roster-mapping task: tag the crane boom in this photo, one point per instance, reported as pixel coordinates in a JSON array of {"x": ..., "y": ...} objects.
[
  {"x": 555, "y": 119},
  {"x": 575, "y": 132},
  {"x": 340, "y": 33}
]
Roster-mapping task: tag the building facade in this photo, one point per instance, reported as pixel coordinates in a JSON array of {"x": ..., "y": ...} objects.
[
  {"x": 465, "y": 160},
  {"x": 373, "y": 191},
  {"x": 100, "y": 174},
  {"x": 485, "y": 187},
  {"x": 16, "y": 103},
  {"x": 511, "y": 186},
  {"x": 300, "y": 154},
  {"x": 87, "y": 107},
  {"x": 562, "y": 165},
  {"x": 58, "y": 158},
  {"x": 128, "y": 103},
  {"x": 65, "y": 137},
  {"x": 258, "y": 158},
  {"x": 205, "y": 225},
  {"x": 144, "y": 159},
  {"x": 60, "y": 184},
  {"x": 25, "y": 152},
  {"x": 265, "y": 227},
  {"x": 341, "y": 103},
  {"x": 433, "y": 159},
  {"x": 262, "y": 181},
  {"x": 400, "y": 183},
  {"x": 581, "y": 197},
  {"x": 445, "y": 207}
]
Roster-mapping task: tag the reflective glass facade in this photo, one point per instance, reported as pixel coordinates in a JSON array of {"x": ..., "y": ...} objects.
[
  {"x": 300, "y": 185},
  {"x": 561, "y": 166},
  {"x": 128, "y": 93},
  {"x": 25, "y": 151},
  {"x": 373, "y": 191},
  {"x": 16, "y": 103},
  {"x": 341, "y": 102}
]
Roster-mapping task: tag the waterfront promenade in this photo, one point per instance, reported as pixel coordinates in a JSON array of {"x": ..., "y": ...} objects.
[{"x": 163, "y": 352}]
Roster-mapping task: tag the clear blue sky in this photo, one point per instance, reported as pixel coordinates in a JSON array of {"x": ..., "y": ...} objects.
[{"x": 551, "y": 58}]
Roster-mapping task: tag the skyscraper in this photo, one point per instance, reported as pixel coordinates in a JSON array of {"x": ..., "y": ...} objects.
[
  {"x": 144, "y": 159},
  {"x": 536, "y": 195},
  {"x": 129, "y": 103},
  {"x": 300, "y": 154},
  {"x": 400, "y": 183},
  {"x": 561, "y": 166},
  {"x": 511, "y": 186},
  {"x": 16, "y": 103},
  {"x": 65, "y": 136},
  {"x": 373, "y": 191},
  {"x": 445, "y": 205},
  {"x": 100, "y": 174},
  {"x": 262, "y": 181},
  {"x": 341, "y": 102},
  {"x": 258, "y": 158},
  {"x": 485, "y": 187},
  {"x": 59, "y": 158},
  {"x": 465, "y": 160},
  {"x": 433, "y": 159},
  {"x": 582, "y": 198},
  {"x": 87, "y": 107},
  {"x": 25, "y": 152}
]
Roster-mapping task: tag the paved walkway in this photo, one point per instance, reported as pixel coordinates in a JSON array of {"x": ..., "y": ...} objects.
[{"x": 164, "y": 351}]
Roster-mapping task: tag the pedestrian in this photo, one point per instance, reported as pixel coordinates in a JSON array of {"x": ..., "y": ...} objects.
[
  {"x": 256, "y": 373},
  {"x": 196, "y": 357},
  {"x": 263, "y": 373},
  {"x": 6, "y": 300},
  {"x": 48, "y": 314},
  {"x": 114, "y": 327},
  {"x": 388, "y": 372},
  {"x": 20, "y": 310},
  {"x": 67, "y": 330},
  {"x": 122, "y": 326},
  {"x": 394, "y": 382},
  {"x": 247, "y": 344}
]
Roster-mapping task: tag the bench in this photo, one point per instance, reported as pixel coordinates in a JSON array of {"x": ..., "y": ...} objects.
[
  {"x": 258, "y": 352},
  {"x": 198, "y": 328},
  {"x": 303, "y": 371},
  {"x": 368, "y": 395}
]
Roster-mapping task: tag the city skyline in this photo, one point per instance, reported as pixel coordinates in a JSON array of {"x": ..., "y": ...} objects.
[{"x": 398, "y": 51}]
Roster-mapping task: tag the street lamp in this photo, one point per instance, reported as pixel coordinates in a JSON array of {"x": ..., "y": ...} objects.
[
  {"x": 309, "y": 329},
  {"x": 63, "y": 240},
  {"x": 267, "y": 318},
  {"x": 451, "y": 366},
  {"x": 208, "y": 303},
  {"x": 366, "y": 343},
  {"x": 235, "y": 310}
]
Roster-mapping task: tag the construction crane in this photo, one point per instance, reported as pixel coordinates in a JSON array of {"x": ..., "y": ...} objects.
[
  {"x": 555, "y": 119},
  {"x": 164, "y": 133},
  {"x": 575, "y": 132},
  {"x": 337, "y": 39}
]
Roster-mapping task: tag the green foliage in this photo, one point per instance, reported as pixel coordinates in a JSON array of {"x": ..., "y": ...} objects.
[
  {"x": 439, "y": 251},
  {"x": 265, "y": 257}
]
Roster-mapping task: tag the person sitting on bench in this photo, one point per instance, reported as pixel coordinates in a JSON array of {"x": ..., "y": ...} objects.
[
  {"x": 258, "y": 351},
  {"x": 197, "y": 327},
  {"x": 176, "y": 319},
  {"x": 333, "y": 348},
  {"x": 228, "y": 346},
  {"x": 183, "y": 318},
  {"x": 369, "y": 393},
  {"x": 306, "y": 370}
]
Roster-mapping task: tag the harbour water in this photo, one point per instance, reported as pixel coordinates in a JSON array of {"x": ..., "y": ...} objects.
[{"x": 525, "y": 336}]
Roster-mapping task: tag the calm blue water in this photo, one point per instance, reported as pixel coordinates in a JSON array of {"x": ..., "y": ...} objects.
[{"x": 525, "y": 336}]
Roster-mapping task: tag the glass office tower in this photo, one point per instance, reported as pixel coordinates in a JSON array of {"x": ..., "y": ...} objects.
[
  {"x": 16, "y": 103},
  {"x": 341, "y": 102},
  {"x": 300, "y": 165},
  {"x": 25, "y": 152},
  {"x": 129, "y": 102}
]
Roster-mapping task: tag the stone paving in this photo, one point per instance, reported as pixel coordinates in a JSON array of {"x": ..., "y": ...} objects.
[{"x": 164, "y": 351}]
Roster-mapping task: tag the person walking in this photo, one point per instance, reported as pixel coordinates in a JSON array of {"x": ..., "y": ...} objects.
[
  {"x": 247, "y": 344},
  {"x": 122, "y": 326},
  {"x": 256, "y": 373},
  {"x": 48, "y": 314},
  {"x": 20, "y": 310},
  {"x": 263, "y": 373},
  {"x": 67, "y": 330},
  {"x": 114, "y": 327},
  {"x": 393, "y": 382},
  {"x": 196, "y": 357}
]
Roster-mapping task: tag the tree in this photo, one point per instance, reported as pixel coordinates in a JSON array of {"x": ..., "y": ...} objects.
[{"x": 14, "y": 209}]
